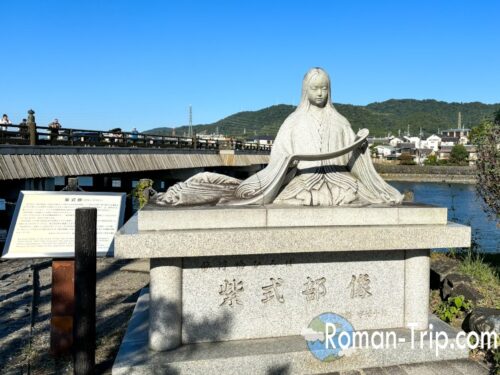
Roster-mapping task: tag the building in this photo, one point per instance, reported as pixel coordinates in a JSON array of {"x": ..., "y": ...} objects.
[
  {"x": 449, "y": 141},
  {"x": 406, "y": 148},
  {"x": 395, "y": 141},
  {"x": 471, "y": 150},
  {"x": 386, "y": 152},
  {"x": 421, "y": 155},
  {"x": 445, "y": 151},
  {"x": 264, "y": 140},
  {"x": 433, "y": 142},
  {"x": 377, "y": 140},
  {"x": 415, "y": 140},
  {"x": 456, "y": 133}
]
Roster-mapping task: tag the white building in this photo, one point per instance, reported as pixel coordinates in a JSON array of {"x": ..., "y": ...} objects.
[
  {"x": 385, "y": 151},
  {"x": 395, "y": 141},
  {"x": 415, "y": 140},
  {"x": 433, "y": 142}
]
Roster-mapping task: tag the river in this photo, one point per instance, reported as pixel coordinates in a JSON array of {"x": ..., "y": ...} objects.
[{"x": 464, "y": 207}]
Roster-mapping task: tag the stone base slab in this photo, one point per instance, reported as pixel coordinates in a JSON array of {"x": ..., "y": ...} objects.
[
  {"x": 131, "y": 243},
  {"x": 155, "y": 217},
  {"x": 285, "y": 355}
]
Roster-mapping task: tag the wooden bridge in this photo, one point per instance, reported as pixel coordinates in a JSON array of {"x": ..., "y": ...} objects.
[
  {"x": 28, "y": 151},
  {"x": 26, "y": 162}
]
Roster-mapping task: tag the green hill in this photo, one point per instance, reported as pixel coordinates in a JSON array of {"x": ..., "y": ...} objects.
[{"x": 380, "y": 118}]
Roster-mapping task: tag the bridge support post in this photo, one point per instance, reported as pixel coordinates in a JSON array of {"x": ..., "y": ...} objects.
[{"x": 32, "y": 127}]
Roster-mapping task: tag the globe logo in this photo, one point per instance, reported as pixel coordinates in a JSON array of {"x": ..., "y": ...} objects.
[{"x": 328, "y": 336}]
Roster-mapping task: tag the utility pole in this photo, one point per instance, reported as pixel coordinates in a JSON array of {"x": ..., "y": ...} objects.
[
  {"x": 190, "y": 130},
  {"x": 459, "y": 120}
]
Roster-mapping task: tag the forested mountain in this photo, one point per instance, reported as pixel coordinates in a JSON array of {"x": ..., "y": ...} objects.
[{"x": 380, "y": 118}]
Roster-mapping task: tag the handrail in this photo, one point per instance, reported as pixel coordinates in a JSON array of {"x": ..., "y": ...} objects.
[{"x": 44, "y": 135}]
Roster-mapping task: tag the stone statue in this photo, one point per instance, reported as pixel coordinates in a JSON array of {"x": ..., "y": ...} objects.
[{"x": 316, "y": 160}]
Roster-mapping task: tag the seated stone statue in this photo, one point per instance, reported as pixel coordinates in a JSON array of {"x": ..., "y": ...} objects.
[{"x": 316, "y": 160}]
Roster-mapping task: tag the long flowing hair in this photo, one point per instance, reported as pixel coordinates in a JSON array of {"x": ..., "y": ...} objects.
[
  {"x": 331, "y": 114},
  {"x": 304, "y": 101}
]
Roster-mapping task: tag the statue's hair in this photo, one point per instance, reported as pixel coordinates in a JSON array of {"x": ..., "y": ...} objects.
[{"x": 304, "y": 101}]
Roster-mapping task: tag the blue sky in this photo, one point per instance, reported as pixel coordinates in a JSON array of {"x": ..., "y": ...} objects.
[{"x": 104, "y": 64}]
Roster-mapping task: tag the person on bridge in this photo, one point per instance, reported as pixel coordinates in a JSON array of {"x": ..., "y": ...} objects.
[
  {"x": 5, "y": 121},
  {"x": 134, "y": 135},
  {"x": 23, "y": 129},
  {"x": 54, "y": 127}
]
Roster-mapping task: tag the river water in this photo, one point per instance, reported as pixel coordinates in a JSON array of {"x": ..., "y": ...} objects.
[{"x": 464, "y": 207}]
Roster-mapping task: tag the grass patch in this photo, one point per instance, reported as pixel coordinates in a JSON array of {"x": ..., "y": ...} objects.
[
  {"x": 474, "y": 265},
  {"x": 483, "y": 268}
]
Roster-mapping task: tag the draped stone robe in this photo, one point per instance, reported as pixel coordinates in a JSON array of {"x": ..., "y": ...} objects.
[
  {"x": 350, "y": 178},
  {"x": 347, "y": 179}
]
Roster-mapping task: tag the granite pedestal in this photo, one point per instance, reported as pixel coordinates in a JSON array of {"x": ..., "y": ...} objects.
[{"x": 231, "y": 280}]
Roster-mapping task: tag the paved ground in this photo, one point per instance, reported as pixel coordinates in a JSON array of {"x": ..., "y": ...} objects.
[
  {"x": 25, "y": 331},
  {"x": 459, "y": 367}
]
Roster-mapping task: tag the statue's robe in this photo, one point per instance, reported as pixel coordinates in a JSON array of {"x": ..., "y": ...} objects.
[{"x": 347, "y": 179}]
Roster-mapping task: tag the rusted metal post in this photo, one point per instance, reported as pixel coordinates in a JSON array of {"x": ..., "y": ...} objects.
[
  {"x": 63, "y": 299},
  {"x": 62, "y": 309},
  {"x": 84, "y": 329}
]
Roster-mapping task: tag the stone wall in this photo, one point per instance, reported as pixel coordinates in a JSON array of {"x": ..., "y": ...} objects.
[{"x": 427, "y": 173}]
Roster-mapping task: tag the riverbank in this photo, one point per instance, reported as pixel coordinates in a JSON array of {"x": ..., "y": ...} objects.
[
  {"x": 465, "y": 292},
  {"x": 427, "y": 173},
  {"x": 442, "y": 178}
]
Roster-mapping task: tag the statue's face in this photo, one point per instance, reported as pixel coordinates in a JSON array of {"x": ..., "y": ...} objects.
[{"x": 317, "y": 92}]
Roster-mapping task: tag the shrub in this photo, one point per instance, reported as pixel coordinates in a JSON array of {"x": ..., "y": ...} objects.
[
  {"x": 406, "y": 159},
  {"x": 431, "y": 160},
  {"x": 452, "y": 308}
]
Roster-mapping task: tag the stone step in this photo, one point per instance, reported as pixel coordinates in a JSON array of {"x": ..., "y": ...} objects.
[
  {"x": 456, "y": 367},
  {"x": 287, "y": 355}
]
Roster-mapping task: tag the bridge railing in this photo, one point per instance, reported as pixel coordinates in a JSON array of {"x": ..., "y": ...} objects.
[{"x": 19, "y": 135}]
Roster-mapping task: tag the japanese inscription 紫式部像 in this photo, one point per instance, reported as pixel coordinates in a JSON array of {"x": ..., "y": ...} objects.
[
  {"x": 360, "y": 286},
  {"x": 231, "y": 292},
  {"x": 314, "y": 288},
  {"x": 273, "y": 290}
]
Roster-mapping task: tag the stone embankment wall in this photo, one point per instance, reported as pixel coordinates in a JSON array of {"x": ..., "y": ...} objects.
[{"x": 427, "y": 173}]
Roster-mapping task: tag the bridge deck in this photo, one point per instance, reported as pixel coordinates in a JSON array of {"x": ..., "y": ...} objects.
[{"x": 22, "y": 162}]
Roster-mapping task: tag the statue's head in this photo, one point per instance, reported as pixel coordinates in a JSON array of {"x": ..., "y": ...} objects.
[{"x": 316, "y": 88}]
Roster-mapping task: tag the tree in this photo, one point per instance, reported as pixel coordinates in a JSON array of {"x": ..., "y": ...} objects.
[
  {"x": 496, "y": 118},
  {"x": 458, "y": 154},
  {"x": 486, "y": 137}
]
